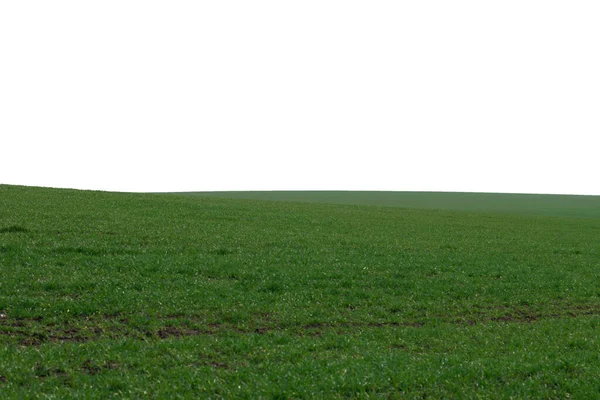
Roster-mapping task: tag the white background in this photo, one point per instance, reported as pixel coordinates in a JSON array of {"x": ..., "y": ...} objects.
[{"x": 489, "y": 96}]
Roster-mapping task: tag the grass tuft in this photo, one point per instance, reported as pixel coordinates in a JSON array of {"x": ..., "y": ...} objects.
[{"x": 14, "y": 229}]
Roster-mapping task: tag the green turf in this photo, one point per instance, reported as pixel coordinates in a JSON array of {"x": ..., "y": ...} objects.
[
  {"x": 166, "y": 296},
  {"x": 527, "y": 204}
]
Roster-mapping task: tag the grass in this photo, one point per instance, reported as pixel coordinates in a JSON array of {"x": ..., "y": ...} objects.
[
  {"x": 523, "y": 204},
  {"x": 176, "y": 296}
]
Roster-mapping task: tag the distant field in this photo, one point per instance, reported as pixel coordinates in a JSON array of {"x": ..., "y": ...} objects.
[
  {"x": 116, "y": 295},
  {"x": 528, "y": 204}
]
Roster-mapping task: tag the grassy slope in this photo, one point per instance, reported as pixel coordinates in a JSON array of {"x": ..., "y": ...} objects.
[
  {"x": 524, "y": 204},
  {"x": 156, "y": 295}
]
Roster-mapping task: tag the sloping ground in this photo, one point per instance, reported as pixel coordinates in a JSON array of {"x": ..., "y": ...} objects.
[
  {"x": 524, "y": 204},
  {"x": 117, "y": 295}
]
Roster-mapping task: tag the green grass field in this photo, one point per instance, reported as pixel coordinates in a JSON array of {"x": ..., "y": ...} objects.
[
  {"x": 522, "y": 204},
  {"x": 113, "y": 295}
]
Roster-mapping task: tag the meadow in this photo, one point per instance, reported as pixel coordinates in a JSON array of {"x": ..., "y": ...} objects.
[
  {"x": 120, "y": 295},
  {"x": 507, "y": 203}
]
